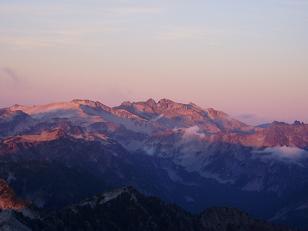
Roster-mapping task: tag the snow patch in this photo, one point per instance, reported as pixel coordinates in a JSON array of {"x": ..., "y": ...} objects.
[
  {"x": 58, "y": 109},
  {"x": 173, "y": 175},
  {"x": 101, "y": 200},
  {"x": 284, "y": 153},
  {"x": 110, "y": 196},
  {"x": 149, "y": 150},
  {"x": 192, "y": 132},
  {"x": 158, "y": 117},
  {"x": 216, "y": 177}
]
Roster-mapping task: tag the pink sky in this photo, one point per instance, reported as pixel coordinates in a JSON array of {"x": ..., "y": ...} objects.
[{"x": 248, "y": 59}]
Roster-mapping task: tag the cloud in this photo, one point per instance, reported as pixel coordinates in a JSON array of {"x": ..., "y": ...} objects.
[
  {"x": 181, "y": 33},
  {"x": 129, "y": 10},
  {"x": 9, "y": 74},
  {"x": 294, "y": 2},
  {"x": 192, "y": 132},
  {"x": 283, "y": 153},
  {"x": 76, "y": 9},
  {"x": 253, "y": 119},
  {"x": 62, "y": 37},
  {"x": 67, "y": 24}
]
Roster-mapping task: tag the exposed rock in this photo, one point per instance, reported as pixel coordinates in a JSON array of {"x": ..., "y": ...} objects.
[{"x": 8, "y": 198}]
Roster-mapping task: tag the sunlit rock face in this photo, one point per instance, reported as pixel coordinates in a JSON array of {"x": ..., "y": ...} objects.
[{"x": 8, "y": 198}]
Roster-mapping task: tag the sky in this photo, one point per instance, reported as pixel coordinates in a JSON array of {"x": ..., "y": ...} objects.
[{"x": 245, "y": 57}]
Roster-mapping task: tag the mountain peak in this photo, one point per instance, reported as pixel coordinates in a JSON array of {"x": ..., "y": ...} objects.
[
  {"x": 130, "y": 210},
  {"x": 166, "y": 101},
  {"x": 151, "y": 102},
  {"x": 110, "y": 196},
  {"x": 189, "y": 114},
  {"x": 115, "y": 193},
  {"x": 82, "y": 101},
  {"x": 126, "y": 103},
  {"x": 278, "y": 123},
  {"x": 215, "y": 114},
  {"x": 88, "y": 102},
  {"x": 297, "y": 122}
]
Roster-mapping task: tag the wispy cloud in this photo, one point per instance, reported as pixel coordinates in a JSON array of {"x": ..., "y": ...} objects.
[
  {"x": 294, "y": 2},
  {"x": 66, "y": 24},
  {"x": 75, "y": 9},
  {"x": 253, "y": 119},
  {"x": 182, "y": 33},
  {"x": 283, "y": 153},
  {"x": 191, "y": 132},
  {"x": 58, "y": 37},
  {"x": 128, "y": 10},
  {"x": 9, "y": 74},
  {"x": 21, "y": 9}
]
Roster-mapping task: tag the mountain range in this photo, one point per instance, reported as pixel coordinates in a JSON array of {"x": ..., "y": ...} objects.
[
  {"x": 124, "y": 209},
  {"x": 54, "y": 156}
]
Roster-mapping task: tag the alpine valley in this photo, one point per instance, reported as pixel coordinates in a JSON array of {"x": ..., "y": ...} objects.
[{"x": 82, "y": 165}]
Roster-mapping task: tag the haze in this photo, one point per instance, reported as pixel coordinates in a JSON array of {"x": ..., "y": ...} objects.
[{"x": 247, "y": 58}]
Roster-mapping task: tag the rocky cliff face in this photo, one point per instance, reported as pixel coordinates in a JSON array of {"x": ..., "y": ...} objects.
[
  {"x": 8, "y": 199},
  {"x": 10, "y": 207}
]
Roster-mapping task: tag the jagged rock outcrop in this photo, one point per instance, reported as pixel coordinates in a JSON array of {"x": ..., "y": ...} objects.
[{"x": 8, "y": 199}]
